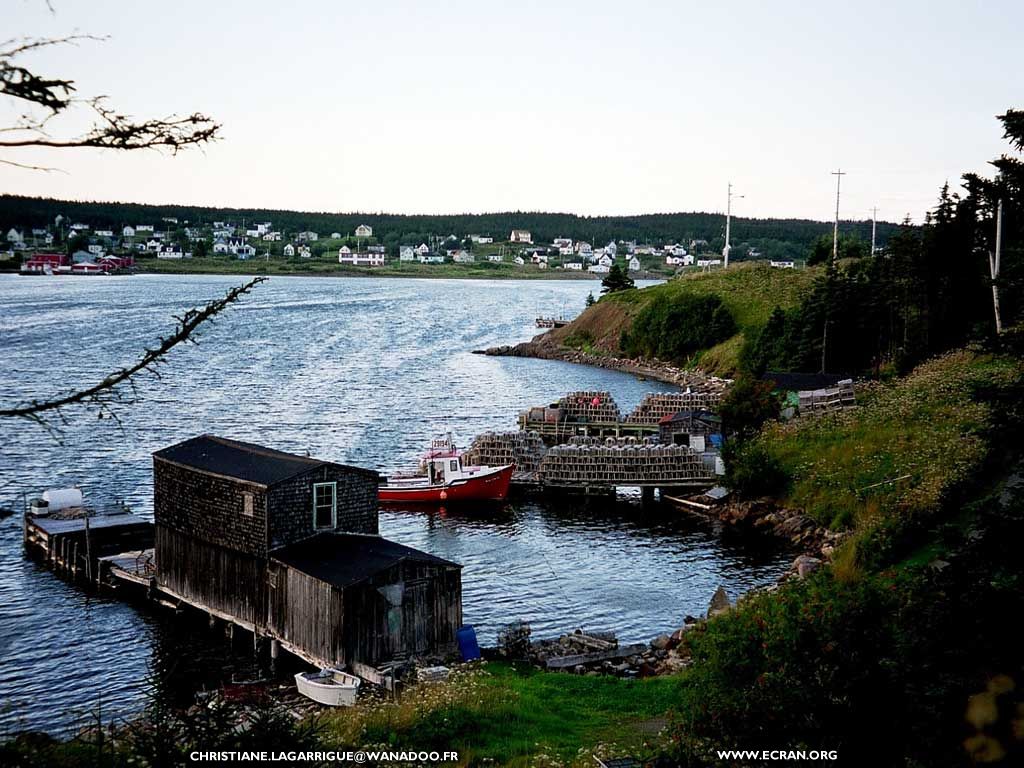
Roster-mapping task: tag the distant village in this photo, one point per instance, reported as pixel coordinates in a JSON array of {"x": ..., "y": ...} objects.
[{"x": 81, "y": 248}]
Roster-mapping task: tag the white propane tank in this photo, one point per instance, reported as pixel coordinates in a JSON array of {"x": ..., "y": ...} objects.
[{"x": 63, "y": 498}]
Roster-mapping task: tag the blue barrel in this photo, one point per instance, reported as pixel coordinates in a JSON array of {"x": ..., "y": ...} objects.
[{"x": 468, "y": 647}]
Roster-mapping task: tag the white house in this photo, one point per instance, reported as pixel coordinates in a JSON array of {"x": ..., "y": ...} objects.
[
  {"x": 79, "y": 227},
  {"x": 708, "y": 262},
  {"x": 95, "y": 250},
  {"x": 103, "y": 233},
  {"x": 335, "y": 235},
  {"x": 539, "y": 258},
  {"x": 304, "y": 252},
  {"x": 605, "y": 260},
  {"x": 481, "y": 239},
  {"x": 364, "y": 230},
  {"x": 219, "y": 246},
  {"x": 245, "y": 251},
  {"x": 675, "y": 250},
  {"x": 634, "y": 264},
  {"x": 584, "y": 249},
  {"x": 170, "y": 252},
  {"x": 289, "y": 250},
  {"x": 599, "y": 269},
  {"x": 154, "y": 245},
  {"x": 406, "y": 253},
  {"x": 562, "y": 242},
  {"x": 679, "y": 261},
  {"x": 519, "y": 261},
  {"x": 430, "y": 258},
  {"x": 521, "y": 236},
  {"x": 422, "y": 249},
  {"x": 13, "y": 236},
  {"x": 783, "y": 264},
  {"x": 495, "y": 258},
  {"x": 347, "y": 256},
  {"x": 271, "y": 237},
  {"x": 303, "y": 237},
  {"x": 573, "y": 265},
  {"x": 139, "y": 228},
  {"x": 463, "y": 257},
  {"x": 611, "y": 249}
]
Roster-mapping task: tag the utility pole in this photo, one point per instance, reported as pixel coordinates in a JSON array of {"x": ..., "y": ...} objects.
[
  {"x": 728, "y": 223},
  {"x": 838, "y": 173},
  {"x": 993, "y": 265},
  {"x": 874, "y": 221}
]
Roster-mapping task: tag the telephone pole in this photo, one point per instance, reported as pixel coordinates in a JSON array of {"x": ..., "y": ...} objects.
[
  {"x": 728, "y": 223},
  {"x": 993, "y": 265},
  {"x": 838, "y": 173},
  {"x": 874, "y": 221}
]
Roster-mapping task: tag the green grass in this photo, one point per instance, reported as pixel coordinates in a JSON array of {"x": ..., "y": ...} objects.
[
  {"x": 901, "y": 451},
  {"x": 514, "y": 715},
  {"x": 330, "y": 267},
  {"x": 749, "y": 290}
]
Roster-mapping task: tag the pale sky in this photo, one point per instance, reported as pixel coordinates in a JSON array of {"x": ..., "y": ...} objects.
[{"x": 584, "y": 107}]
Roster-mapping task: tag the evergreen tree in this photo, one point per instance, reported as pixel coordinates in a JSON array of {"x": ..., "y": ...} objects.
[{"x": 616, "y": 280}]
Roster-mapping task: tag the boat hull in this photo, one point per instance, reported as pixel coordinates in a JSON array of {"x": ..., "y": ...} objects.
[
  {"x": 490, "y": 486},
  {"x": 341, "y": 691}
]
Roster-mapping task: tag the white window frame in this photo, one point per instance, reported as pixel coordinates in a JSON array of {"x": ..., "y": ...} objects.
[{"x": 334, "y": 506}]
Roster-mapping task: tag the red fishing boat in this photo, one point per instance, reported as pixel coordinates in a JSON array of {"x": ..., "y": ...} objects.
[{"x": 444, "y": 478}]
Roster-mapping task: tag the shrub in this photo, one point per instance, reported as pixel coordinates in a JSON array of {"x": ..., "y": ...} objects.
[
  {"x": 750, "y": 470},
  {"x": 674, "y": 328}
]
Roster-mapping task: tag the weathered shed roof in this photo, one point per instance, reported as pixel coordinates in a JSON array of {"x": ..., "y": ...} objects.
[
  {"x": 796, "y": 381},
  {"x": 346, "y": 559},
  {"x": 242, "y": 461}
]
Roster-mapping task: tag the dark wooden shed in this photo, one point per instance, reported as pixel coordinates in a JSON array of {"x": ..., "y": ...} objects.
[
  {"x": 693, "y": 428},
  {"x": 386, "y": 599},
  {"x": 284, "y": 545}
]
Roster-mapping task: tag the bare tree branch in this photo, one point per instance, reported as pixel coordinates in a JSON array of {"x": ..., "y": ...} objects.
[
  {"x": 26, "y": 166},
  {"x": 111, "y": 130},
  {"x": 109, "y": 392}
]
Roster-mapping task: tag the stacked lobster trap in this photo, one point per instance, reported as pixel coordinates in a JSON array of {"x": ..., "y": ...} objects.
[{"x": 629, "y": 463}]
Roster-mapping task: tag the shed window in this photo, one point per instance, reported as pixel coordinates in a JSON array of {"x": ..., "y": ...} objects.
[
  {"x": 247, "y": 504},
  {"x": 325, "y": 504}
]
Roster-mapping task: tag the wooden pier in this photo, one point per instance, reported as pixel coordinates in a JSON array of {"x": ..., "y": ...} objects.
[{"x": 74, "y": 543}]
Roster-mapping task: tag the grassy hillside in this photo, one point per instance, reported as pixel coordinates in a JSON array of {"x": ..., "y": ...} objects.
[
  {"x": 908, "y": 444},
  {"x": 750, "y": 291}
]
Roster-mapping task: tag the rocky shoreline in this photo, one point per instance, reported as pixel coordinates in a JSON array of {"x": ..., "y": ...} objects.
[{"x": 655, "y": 370}]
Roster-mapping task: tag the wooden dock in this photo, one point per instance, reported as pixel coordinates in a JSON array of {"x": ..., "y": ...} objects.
[{"x": 74, "y": 543}]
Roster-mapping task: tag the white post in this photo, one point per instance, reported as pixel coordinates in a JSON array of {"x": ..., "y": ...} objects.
[
  {"x": 835, "y": 227},
  {"x": 993, "y": 265},
  {"x": 728, "y": 224}
]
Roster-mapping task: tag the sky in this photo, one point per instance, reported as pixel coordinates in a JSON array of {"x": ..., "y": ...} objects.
[{"x": 581, "y": 107}]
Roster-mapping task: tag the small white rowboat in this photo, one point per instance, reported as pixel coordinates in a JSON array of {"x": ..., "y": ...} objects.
[{"x": 329, "y": 686}]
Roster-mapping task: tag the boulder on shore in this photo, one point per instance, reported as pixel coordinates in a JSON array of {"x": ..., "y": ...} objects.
[{"x": 720, "y": 602}]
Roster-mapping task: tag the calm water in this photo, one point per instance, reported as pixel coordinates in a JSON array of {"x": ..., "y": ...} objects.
[{"x": 362, "y": 371}]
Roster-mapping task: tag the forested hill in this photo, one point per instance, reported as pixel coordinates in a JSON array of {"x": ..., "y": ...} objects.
[{"x": 773, "y": 238}]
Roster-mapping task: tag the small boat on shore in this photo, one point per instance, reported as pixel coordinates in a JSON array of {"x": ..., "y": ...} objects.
[
  {"x": 444, "y": 478},
  {"x": 551, "y": 322},
  {"x": 331, "y": 687}
]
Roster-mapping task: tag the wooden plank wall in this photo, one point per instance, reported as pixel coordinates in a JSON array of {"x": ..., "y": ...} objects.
[{"x": 211, "y": 576}]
